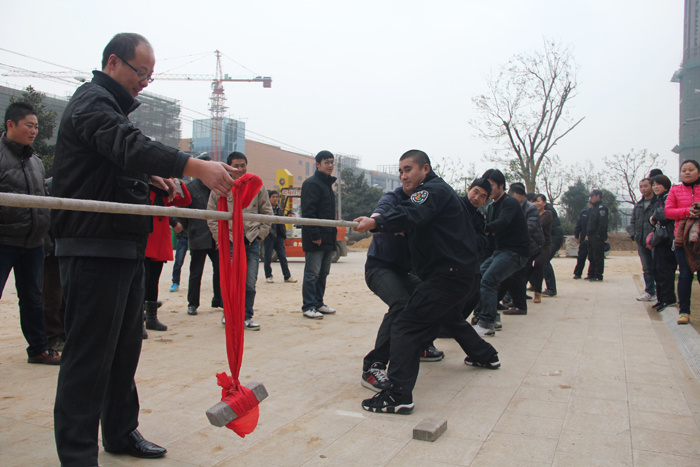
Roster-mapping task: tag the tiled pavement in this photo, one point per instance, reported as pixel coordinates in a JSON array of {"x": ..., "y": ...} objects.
[{"x": 590, "y": 377}]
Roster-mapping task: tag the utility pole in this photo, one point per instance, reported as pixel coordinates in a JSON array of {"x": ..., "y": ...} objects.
[{"x": 340, "y": 188}]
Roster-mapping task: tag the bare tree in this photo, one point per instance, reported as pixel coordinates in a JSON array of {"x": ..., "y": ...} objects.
[
  {"x": 554, "y": 178},
  {"x": 525, "y": 109},
  {"x": 626, "y": 171},
  {"x": 453, "y": 171}
]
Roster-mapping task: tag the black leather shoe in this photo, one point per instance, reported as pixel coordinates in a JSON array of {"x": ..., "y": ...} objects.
[{"x": 139, "y": 447}]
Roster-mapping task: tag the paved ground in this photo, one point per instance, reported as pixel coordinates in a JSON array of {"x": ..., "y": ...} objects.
[{"x": 591, "y": 377}]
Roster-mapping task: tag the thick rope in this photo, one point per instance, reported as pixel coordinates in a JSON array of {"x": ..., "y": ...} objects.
[{"x": 69, "y": 204}]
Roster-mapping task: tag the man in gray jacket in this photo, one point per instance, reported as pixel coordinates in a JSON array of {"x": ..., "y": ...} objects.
[
  {"x": 22, "y": 230},
  {"x": 640, "y": 228}
]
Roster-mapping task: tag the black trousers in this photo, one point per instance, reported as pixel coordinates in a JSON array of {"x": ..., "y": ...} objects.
[
  {"x": 665, "y": 264},
  {"x": 581, "y": 259},
  {"x": 516, "y": 286},
  {"x": 104, "y": 303},
  {"x": 596, "y": 255},
  {"x": 153, "y": 270},
  {"x": 197, "y": 260},
  {"x": 52, "y": 298},
  {"x": 436, "y": 301}
]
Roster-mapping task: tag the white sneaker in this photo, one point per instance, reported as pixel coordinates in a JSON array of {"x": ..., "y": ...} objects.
[
  {"x": 326, "y": 310},
  {"x": 646, "y": 297},
  {"x": 223, "y": 319},
  {"x": 290, "y": 279},
  {"x": 252, "y": 325},
  {"x": 312, "y": 313},
  {"x": 481, "y": 331},
  {"x": 269, "y": 280}
]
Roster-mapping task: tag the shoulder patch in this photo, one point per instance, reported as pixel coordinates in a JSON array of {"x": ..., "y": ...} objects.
[
  {"x": 419, "y": 197},
  {"x": 603, "y": 212}
]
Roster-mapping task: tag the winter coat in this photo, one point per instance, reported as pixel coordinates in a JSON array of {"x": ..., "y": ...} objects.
[
  {"x": 252, "y": 229},
  {"x": 640, "y": 227},
  {"x": 278, "y": 230},
  {"x": 318, "y": 202},
  {"x": 102, "y": 156},
  {"x": 679, "y": 200},
  {"x": 598, "y": 222},
  {"x": 582, "y": 225},
  {"x": 557, "y": 231},
  {"x": 534, "y": 228},
  {"x": 505, "y": 220},
  {"x": 22, "y": 172},
  {"x": 160, "y": 245}
]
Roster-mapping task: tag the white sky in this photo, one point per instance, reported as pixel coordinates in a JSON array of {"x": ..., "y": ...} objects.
[{"x": 376, "y": 78}]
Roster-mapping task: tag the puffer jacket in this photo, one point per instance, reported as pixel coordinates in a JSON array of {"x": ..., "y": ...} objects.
[
  {"x": 679, "y": 199},
  {"x": 534, "y": 228},
  {"x": 22, "y": 172},
  {"x": 253, "y": 230}
]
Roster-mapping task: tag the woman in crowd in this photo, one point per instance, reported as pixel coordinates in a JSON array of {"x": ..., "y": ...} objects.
[
  {"x": 663, "y": 257},
  {"x": 543, "y": 258},
  {"x": 680, "y": 207}
]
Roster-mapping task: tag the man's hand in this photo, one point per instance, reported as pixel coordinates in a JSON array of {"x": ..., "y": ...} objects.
[
  {"x": 316, "y": 242},
  {"x": 177, "y": 228},
  {"x": 213, "y": 174},
  {"x": 365, "y": 224},
  {"x": 164, "y": 184},
  {"x": 577, "y": 240}
]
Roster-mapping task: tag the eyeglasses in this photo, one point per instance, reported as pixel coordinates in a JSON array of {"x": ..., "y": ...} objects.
[{"x": 141, "y": 75}]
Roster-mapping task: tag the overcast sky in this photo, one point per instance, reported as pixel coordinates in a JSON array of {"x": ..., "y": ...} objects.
[{"x": 376, "y": 78}]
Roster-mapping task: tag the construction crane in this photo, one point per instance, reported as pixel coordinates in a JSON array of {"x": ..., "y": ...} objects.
[{"x": 217, "y": 100}]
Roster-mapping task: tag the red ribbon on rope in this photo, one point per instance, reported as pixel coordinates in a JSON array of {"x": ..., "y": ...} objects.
[{"x": 233, "y": 270}]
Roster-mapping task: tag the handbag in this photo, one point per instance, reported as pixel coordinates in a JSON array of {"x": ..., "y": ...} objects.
[{"x": 659, "y": 235}]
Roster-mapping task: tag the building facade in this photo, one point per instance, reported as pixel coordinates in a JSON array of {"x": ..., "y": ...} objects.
[
  {"x": 232, "y": 136},
  {"x": 688, "y": 76}
]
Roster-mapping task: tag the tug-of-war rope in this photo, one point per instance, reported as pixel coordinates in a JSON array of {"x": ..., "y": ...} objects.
[{"x": 238, "y": 409}]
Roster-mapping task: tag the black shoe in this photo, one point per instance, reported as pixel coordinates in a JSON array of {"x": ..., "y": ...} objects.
[
  {"x": 375, "y": 378},
  {"x": 431, "y": 354},
  {"x": 657, "y": 304},
  {"x": 663, "y": 306},
  {"x": 577, "y": 276},
  {"x": 217, "y": 303},
  {"x": 474, "y": 320},
  {"x": 596, "y": 279},
  {"x": 139, "y": 447},
  {"x": 548, "y": 293},
  {"x": 388, "y": 402},
  {"x": 144, "y": 334},
  {"x": 527, "y": 297},
  {"x": 192, "y": 310},
  {"x": 152, "y": 322},
  {"x": 492, "y": 364},
  {"x": 501, "y": 307}
]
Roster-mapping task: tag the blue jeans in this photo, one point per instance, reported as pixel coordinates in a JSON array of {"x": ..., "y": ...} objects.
[
  {"x": 180, "y": 251},
  {"x": 28, "y": 264},
  {"x": 276, "y": 244},
  {"x": 252, "y": 252},
  {"x": 499, "y": 267},
  {"x": 316, "y": 269},
  {"x": 647, "y": 268}
]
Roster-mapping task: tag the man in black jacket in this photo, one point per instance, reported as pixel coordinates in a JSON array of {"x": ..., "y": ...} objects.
[
  {"x": 557, "y": 241},
  {"x": 318, "y": 202},
  {"x": 640, "y": 228},
  {"x": 580, "y": 236},
  {"x": 100, "y": 155},
  {"x": 274, "y": 242},
  {"x": 442, "y": 243},
  {"x": 506, "y": 226},
  {"x": 596, "y": 235}
]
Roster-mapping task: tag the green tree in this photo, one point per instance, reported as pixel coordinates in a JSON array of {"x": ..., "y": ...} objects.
[
  {"x": 47, "y": 125},
  {"x": 610, "y": 200},
  {"x": 359, "y": 199},
  {"x": 574, "y": 200}
]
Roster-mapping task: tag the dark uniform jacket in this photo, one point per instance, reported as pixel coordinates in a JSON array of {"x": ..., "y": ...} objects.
[
  {"x": 388, "y": 250},
  {"x": 581, "y": 229},
  {"x": 506, "y": 220},
  {"x": 198, "y": 233},
  {"x": 479, "y": 223},
  {"x": 598, "y": 222},
  {"x": 101, "y": 156},
  {"x": 22, "y": 172},
  {"x": 640, "y": 227},
  {"x": 440, "y": 234},
  {"x": 318, "y": 202}
]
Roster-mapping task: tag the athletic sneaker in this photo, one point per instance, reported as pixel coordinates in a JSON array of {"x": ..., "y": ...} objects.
[
  {"x": 431, "y": 354},
  {"x": 375, "y": 378},
  {"x": 646, "y": 297},
  {"x": 312, "y": 313},
  {"x": 497, "y": 325},
  {"x": 388, "y": 402},
  {"x": 482, "y": 331},
  {"x": 492, "y": 364},
  {"x": 291, "y": 280},
  {"x": 251, "y": 325},
  {"x": 174, "y": 287},
  {"x": 326, "y": 310},
  {"x": 269, "y": 280}
]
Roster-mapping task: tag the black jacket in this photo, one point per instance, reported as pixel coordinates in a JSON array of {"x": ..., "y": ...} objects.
[
  {"x": 534, "y": 228},
  {"x": 440, "y": 234},
  {"x": 506, "y": 221},
  {"x": 640, "y": 227},
  {"x": 477, "y": 219},
  {"x": 101, "y": 156},
  {"x": 581, "y": 229},
  {"x": 598, "y": 222},
  {"x": 388, "y": 250},
  {"x": 557, "y": 231},
  {"x": 198, "y": 233},
  {"x": 22, "y": 172},
  {"x": 278, "y": 230},
  {"x": 318, "y": 202}
]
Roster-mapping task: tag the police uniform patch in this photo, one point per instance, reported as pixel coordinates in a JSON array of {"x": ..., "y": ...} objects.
[
  {"x": 419, "y": 197},
  {"x": 603, "y": 212}
]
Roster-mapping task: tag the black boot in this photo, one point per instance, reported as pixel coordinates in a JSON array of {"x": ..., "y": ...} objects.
[{"x": 152, "y": 317}]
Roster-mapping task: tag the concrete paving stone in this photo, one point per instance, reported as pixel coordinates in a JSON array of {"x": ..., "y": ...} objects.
[
  {"x": 551, "y": 389},
  {"x": 470, "y": 425},
  {"x": 669, "y": 391},
  {"x": 649, "y": 378},
  {"x": 516, "y": 424},
  {"x": 596, "y": 447},
  {"x": 519, "y": 447},
  {"x": 593, "y": 388},
  {"x": 679, "y": 444},
  {"x": 664, "y": 422},
  {"x": 658, "y": 459},
  {"x": 537, "y": 408},
  {"x": 597, "y": 415},
  {"x": 450, "y": 451},
  {"x": 364, "y": 450},
  {"x": 23, "y": 444},
  {"x": 653, "y": 404},
  {"x": 663, "y": 369}
]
